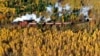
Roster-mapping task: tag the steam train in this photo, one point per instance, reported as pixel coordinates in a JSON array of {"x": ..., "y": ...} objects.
[{"x": 33, "y": 19}]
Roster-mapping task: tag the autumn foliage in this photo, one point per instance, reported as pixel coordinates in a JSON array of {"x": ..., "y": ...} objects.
[
  {"x": 33, "y": 42},
  {"x": 82, "y": 39}
]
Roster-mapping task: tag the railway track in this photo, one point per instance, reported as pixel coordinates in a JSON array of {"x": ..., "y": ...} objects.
[
  {"x": 57, "y": 23},
  {"x": 50, "y": 24},
  {"x": 42, "y": 24}
]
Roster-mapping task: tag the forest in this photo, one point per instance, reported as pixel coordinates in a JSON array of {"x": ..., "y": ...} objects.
[{"x": 81, "y": 39}]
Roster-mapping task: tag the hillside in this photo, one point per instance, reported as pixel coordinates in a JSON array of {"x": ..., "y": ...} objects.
[{"x": 77, "y": 39}]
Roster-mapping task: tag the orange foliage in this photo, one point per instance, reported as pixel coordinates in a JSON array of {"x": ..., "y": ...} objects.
[{"x": 2, "y": 16}]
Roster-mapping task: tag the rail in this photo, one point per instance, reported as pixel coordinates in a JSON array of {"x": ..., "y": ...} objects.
[{"x": 57, "y": 23}]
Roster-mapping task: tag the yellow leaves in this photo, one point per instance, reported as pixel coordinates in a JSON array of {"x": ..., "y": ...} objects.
[
  {"x": 29, "y": 41},
  {"x": 2, "y": 5},
  {"x": 1, "y": 51},
  {"x": 37, "y": 2},
  {"x": 96, "y": 46},
  {"x": 62, "y": 18},
  {"x": 4, "y": 10},
  {"x": 49, "y": 42},
  {"x": 69, "y": 33}
]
